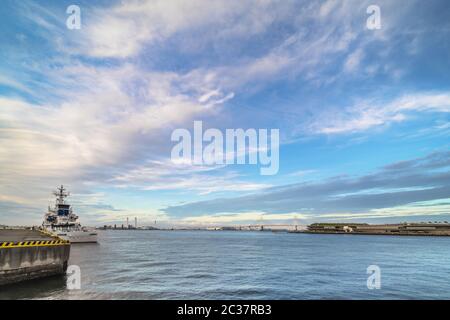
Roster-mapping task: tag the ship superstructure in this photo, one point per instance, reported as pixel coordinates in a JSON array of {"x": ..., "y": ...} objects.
[{"x": 61, "y": 221}]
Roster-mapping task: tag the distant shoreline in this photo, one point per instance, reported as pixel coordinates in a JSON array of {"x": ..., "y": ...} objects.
[
  {"x": 423, "y": 229},
  {"x": 401, "y": 229},
  {"x": 375, "y": 234}
]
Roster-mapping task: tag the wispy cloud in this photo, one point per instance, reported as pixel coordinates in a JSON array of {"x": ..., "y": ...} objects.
[
  {"x": 165, "y": 175},
  {"x": 399, "y": 184},
  {"x": 365, "y": 115}
]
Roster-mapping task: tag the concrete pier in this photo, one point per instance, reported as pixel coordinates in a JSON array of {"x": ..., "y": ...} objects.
[
  {"x": 401, "y": 229},
  {"x": 31, "y": 254}
]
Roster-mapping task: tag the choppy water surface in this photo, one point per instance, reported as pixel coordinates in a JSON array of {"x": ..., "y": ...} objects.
[{"x": 249, "y": 265}]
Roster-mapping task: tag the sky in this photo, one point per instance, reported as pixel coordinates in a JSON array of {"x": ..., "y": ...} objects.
[{"x": 363, "y": 114}]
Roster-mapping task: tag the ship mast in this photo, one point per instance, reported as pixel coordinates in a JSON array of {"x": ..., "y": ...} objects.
[{"x": 61, "y": 194}]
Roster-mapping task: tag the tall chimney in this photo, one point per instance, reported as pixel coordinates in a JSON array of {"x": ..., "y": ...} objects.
[{"x": 135, "y": 222}]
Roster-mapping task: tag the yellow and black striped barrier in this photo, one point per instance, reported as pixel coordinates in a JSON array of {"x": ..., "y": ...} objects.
[
  {"x": 46, "y": 233},
  {"x": 26, "y": 244}
]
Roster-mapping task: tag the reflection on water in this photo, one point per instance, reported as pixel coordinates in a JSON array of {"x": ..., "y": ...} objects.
[
  {"x": 248, "y": 265},
  {"x": 35, "y": 289}
]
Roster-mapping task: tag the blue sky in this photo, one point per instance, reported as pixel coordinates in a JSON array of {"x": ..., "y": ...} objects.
[{"x": 363, "y": 114}]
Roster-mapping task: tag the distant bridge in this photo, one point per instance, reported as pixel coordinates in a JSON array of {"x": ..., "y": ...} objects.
[{"x": 269, "y": 227}]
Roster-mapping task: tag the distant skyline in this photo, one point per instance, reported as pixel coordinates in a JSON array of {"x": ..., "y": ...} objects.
[{"x": 363, "y": 115}]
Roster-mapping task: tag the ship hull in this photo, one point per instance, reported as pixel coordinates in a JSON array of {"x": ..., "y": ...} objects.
[{"x": 78, "y": 236}]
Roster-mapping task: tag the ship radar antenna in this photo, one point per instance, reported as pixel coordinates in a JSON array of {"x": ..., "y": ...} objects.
[{"x": 61, "y": 194}]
